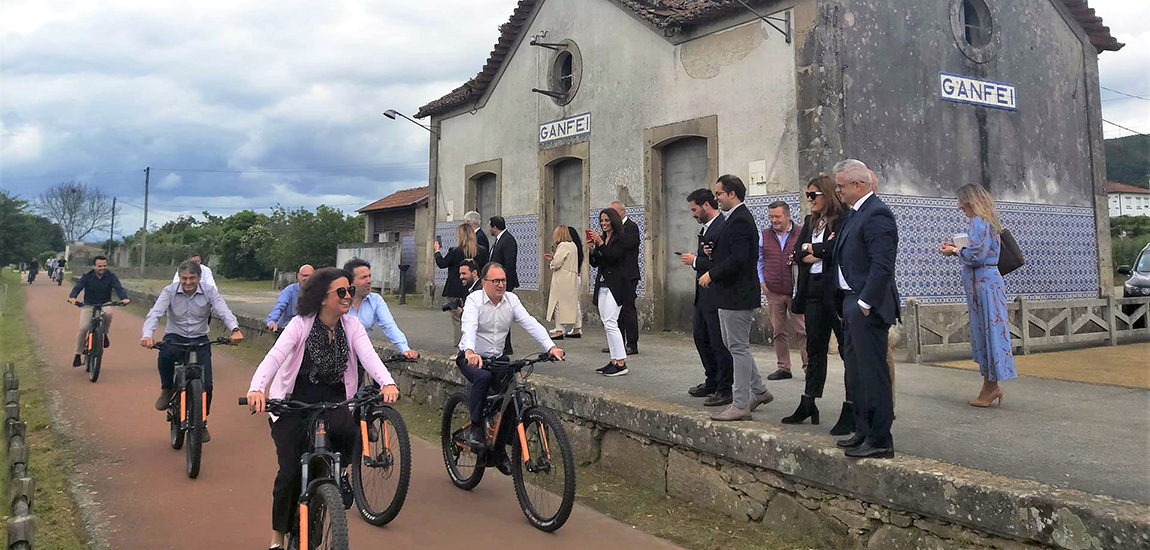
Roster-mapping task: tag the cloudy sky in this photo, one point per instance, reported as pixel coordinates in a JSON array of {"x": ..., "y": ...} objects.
[{"x": 240, "y": 104}]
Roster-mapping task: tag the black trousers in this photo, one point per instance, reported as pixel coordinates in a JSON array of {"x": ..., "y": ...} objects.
[
  {"x": 480, "y": 382},
  {"x": 865, "y": 347},
  {"x": 290, "y": 433},
  {"x": 169, "y": 357},
  {"x": 717, "y": 362},
  {"x": 822, "y": 320},
  {"x": 629, "y": 322}
]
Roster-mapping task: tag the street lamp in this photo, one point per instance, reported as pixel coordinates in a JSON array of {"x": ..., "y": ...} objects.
[{"x": 392, "y": 113}]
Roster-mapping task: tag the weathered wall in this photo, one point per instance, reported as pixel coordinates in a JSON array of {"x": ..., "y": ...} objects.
[{"x": 383, "y": 257}]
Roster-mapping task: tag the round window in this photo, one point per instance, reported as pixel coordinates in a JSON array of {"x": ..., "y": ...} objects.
[
  {"x": 566, "y": 72},
  {"x": 972, "y": 22}
]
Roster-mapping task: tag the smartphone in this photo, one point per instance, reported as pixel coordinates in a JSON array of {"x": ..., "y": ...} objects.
[
  {"x": 678, "y": 253},
  {"x": 589, "y": 233}
]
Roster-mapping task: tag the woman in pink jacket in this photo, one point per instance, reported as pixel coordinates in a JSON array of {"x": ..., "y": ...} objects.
[{"x": 314, "y": 361}]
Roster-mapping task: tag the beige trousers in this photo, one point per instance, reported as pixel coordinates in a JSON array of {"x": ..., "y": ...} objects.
[{"x": 86, "y": 323}]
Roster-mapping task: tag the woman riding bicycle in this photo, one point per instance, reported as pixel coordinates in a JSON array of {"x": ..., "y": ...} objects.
[{"x": 314, "y": 361}]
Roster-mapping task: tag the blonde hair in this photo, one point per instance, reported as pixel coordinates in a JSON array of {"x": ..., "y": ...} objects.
[
  {"x": 465, "y": 240},
  {"x": 561, "y": 235},
  {"x": 980, "y": 202}
]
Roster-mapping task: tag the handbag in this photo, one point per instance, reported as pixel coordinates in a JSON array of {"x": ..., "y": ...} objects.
[{"x": 1010, "y": 257}]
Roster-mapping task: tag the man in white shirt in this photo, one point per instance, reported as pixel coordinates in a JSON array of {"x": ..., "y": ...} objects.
[
  {"x": 205, "y": 279},
  {"x": 487, "y": 318}
]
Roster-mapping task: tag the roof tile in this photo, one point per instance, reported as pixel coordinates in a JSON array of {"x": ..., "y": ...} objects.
[{"x": 398, "y": 199}]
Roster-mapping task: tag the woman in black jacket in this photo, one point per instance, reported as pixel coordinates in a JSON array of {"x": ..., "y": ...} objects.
[
  {"x": 815, "y": 296},
  {"x": 466, "y": 248},
  {"x": 613, "y": 288}
]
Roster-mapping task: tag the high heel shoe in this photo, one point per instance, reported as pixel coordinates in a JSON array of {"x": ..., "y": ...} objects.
[
  {"x": 994, "y": 395},
  {"x": 846, "y": 422},
  {"x": 807, "y": 409}
]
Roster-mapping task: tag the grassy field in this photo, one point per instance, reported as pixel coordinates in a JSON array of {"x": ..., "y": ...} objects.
[{"x": 58, "y": 524}]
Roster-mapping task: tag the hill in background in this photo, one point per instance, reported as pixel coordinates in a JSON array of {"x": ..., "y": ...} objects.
[{"x": 1128, "y": 160}]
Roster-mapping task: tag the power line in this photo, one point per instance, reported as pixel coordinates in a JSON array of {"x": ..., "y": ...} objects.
[
  {"x": 1123, "y": 127},
  {"x": 355, "y": 167},
  {"x": 1125, "y": 94}
]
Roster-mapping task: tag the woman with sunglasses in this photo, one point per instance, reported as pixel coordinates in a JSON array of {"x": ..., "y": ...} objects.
[
  {"x": 815, "y": 298},
  {"x": 314, "y": 361}
]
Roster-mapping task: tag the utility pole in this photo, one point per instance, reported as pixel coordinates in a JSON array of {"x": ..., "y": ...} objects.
[
  {"x": 112, "y": 233},
  {"x": 144, "y": 247}
]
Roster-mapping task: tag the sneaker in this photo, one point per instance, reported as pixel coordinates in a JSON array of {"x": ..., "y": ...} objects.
[
  {"x": 603, "y": 368},
  {"x": 107, "y": 342},
  {"x": 77, "y": 361},
  {"x": 345, "y": 489},
  {"x": 615, "y": 370},
  {"x": 165, "y": 398},
  {"x": 780, "y": 375}
]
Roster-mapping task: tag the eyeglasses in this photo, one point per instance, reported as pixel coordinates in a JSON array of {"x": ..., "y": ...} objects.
[
  {"x": 840, "y": 186},
  {"x": 496, "y": 281},
  {"x": 812, "y": 195},
  {"x": 344, "y": 292}
]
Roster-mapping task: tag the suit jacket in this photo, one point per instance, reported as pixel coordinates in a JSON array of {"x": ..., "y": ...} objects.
[
  {"x": 866, "y": 250},
  {"x": 630, "y": 243},
  {"x": 481, "y": 239},
  {"x": 453, "y": 287},
  {"x": 705, "y": 297},
  {"x": 611, "y": 260},
  {"x": 823, "y": 251},
  {"x": 506, "y": 251},
  {"x": 735, "y": 257}
]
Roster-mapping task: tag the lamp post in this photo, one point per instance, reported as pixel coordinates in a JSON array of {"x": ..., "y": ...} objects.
[
  {"x": 433, "y": 183},
  {"x": 392, "y": 113}
]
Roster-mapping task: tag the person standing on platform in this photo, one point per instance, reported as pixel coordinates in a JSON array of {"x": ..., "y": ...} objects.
[
  {"x": 708, "y": 333},
  {"x": 776, "y": 246},
  {"x": 505, "y": 252},
  {"x": 628, "y": 316}
]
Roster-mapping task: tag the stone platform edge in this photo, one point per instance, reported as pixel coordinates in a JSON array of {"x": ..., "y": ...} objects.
[{"x": 799, "y": 481}]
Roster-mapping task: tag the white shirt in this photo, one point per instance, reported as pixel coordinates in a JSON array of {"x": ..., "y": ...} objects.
[
  {"x": 205, "y": 276},
  {"x": 703, "y": 231},
  {"x": 843, "y": 280},
  {"x": 485, "y": 324},
  {"x": 817, "y": 267}
]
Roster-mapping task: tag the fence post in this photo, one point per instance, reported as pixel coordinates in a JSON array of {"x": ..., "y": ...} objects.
[
  {"x": 21, "y": 486},
  {"x": 1024, "y": 317},
  {"x": 1111, "y": 319},
  {"x": 912, "y": 326}
]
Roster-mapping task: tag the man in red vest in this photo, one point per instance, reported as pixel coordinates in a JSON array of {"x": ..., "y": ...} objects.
[{"x": 776, "y": 245}]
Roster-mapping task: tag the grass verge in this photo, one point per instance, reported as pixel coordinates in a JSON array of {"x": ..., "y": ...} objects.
[{"x": 58, "y": 523}]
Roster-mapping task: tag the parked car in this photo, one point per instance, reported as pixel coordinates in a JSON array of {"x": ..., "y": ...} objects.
[{"x": 1138, "y": 278}]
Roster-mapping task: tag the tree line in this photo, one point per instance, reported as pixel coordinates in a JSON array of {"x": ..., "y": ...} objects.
[{"x": 24, "y": 234}]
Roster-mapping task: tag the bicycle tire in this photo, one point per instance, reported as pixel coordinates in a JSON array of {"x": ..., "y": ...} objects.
[
  {"x": 451, "y": 451},
  {"x": 195, "y": 444},
  {"x": 384, "y": 419},
  {"x": 175, "y": 431},
  {"x": 558, "y": 437},
  {"x": 96, "y": 354},
  {"x": 326, "y": 502}
]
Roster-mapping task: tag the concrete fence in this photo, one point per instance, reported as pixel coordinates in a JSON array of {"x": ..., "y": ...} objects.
[
  {"x": 384, "y": 259},
  {"x": 940, "y": 330},
  {"x": 21, "y": 486}
]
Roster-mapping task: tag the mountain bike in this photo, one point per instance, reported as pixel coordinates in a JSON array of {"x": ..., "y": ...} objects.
[
  {"x": 381, "y": 470},
  {"x": 322, "y": 518},
  {"x": 94, "y": 345},
  {"x": 542, "y": 465},
  {"x": 58, "y": 275},
  {"x": 185, "y": 412}
]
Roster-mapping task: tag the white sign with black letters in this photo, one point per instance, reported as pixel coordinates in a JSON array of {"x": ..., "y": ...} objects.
[
  {"x": 565, "y": 128},
  {"x": 986, "y": 93}
]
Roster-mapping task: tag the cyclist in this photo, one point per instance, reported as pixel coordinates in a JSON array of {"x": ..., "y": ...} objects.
[
  {"x": 189, "y": 305},
  {"x": 206, "y": 277},
  {"x": 97, "y": 286},
  {"x": 51, "y": 268},
  {"x": 33, "y": 269},
  {"x": 487, "y": 318},
  {"x": 285, "y": 306},
  {"x": 315, "y": 361},
  {"x": 371, "y": 310},
  {"x": 61, "y": 263}
]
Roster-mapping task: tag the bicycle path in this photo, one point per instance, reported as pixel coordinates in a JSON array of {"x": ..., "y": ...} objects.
[{"x": 149, "y": 503}]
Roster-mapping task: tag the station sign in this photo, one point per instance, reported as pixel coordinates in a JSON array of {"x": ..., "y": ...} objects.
[
  {"x": 565, "y": 128},
  {"x": 987, "y": 93}
]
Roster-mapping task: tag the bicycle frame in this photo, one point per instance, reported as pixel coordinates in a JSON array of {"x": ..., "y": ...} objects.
[
  {"x": 327, "y": 464},
  {"x": 514, "y": 399}
]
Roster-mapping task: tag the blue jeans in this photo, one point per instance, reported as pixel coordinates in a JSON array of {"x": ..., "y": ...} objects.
[{"x": 169, "y": 357}]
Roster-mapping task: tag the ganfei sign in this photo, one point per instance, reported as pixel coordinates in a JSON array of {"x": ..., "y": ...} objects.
[
  {"x": 977, "y": 92},
  {"x": 565, "y": 128}
]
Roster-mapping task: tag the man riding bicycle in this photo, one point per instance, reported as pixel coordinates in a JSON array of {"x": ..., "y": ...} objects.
[
  {"x": 487, "y": 318},
  {"x": 371, "y": 310},
  {"x": 189, "y": 305},
  {"x": 288, "y": 301},
  {"x": 33, "y": 269},
  {"x": 97, "y": 286}
]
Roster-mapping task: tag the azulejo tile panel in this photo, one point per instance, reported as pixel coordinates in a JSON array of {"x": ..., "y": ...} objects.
[
  {"x": 637, "y": 215},
  {"x": 446, "y": 233}
]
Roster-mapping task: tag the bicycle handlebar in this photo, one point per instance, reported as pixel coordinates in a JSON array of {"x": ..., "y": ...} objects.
[
  {"x": 282, "y": 406},
  {"x": 106, "y": 304},
  {"x": 400, "y": 358},
  {"x": 221, "y": 341},
  {"x": 538, "y": 358}
]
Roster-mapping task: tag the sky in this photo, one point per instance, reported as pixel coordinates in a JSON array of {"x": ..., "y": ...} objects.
[{"x": 241, "y": 104}]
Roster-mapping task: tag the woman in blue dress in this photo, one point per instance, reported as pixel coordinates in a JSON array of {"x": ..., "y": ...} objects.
[{"x": 985, "y": 293}]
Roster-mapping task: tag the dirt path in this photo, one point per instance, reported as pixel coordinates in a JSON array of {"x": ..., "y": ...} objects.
[{"x": 150, "y": 504}]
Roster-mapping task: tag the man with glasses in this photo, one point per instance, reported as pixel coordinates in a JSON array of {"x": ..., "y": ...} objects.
[
  {"x": 189, "y": 305},
  {"x": 487, "y": 318}
]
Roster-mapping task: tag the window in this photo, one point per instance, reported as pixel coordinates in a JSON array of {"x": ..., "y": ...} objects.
[
  {"x": 976, "y": 22},
  {"x": 564, "y": 69},
  {"x": 566, "y": 72}
]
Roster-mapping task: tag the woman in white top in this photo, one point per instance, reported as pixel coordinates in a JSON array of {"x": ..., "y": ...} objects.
[{"x": 563, "y": 302}]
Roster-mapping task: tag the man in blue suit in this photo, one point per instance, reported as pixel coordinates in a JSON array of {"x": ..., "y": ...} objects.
[{"x": 864, "y": 262}]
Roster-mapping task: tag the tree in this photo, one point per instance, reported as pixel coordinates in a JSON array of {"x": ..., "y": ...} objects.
[
  {"x": 311, "y": 238},
  {"x": 23, "y": 234},
  {"x": 78, "y": 208}
]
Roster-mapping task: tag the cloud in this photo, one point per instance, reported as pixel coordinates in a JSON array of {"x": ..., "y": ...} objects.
[{"x": 170, "y": 181}]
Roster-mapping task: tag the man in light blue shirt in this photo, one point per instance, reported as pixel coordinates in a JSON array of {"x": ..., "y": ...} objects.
[
  {"x": 372, "y": 310},
  {"x": 285, "y": 306}
]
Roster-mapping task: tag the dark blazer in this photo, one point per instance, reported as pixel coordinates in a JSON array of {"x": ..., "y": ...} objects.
[
  {"x": 705, "y": 297},
  {"x": 481, "y": 240},
  {"x": 506, "y": 252},
  {"x": 630, "y": 242},
  {"x": 866, "y": 249},
  {"x": 736, "y": 255},
  {"x": 823, "y": 251},
  {"x": 611, "y": 259},
  {"x": 453, "y": 288}
]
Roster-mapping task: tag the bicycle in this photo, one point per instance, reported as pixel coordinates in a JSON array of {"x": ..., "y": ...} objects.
[
  {"x": 322, "y": 518},
  {"x": 58, "y": 275},
  {"x": 541, "y": 437},
  {"x": 375, "y": 465},
  {"x": 94, "y": 345},
  {"x": 185, "y": 411}
]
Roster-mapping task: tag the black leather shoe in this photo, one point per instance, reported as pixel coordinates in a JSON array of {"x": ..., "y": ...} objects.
[
  {"x": 700, "y": 391},
  {"x": 632, "y": 351},
  {"x": 718, "y": 399},
  {"x": 779, "y": 375},
  {"x": 476, "y": 439},
  {"x": 77, "y": 362},
  {"x": 107, "y": 342},
  {"x": 606, "y": 350},
  {"x": 867, "y": 451},
  {"x": 503, "y": 465},
  {"x": 854, "y": 441}
]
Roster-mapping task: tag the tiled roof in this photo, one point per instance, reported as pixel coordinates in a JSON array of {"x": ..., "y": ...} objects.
[
  {"x": 1113, "y": 187},
  {"x": 398, "y": 199},
  {"x": 668, "y": 13}
]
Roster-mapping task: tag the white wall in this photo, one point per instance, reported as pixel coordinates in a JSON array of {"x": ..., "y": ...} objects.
[{"x": 1129, "y": 204}]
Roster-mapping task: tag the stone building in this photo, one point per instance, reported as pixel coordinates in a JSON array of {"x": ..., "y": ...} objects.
[{"x": 582, "y": 102}]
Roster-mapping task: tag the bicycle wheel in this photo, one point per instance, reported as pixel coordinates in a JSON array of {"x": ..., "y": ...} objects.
[
  {"x": 95, "y": 353},
  {"x": 545, "y": 474},
  {"x": 381, "y": 474},
  {"x": 193, "y": 393},
  {"x": 326, "y": 521},
  {"x": 176, "y": 432},
  {"x": 462, "y": 463}
]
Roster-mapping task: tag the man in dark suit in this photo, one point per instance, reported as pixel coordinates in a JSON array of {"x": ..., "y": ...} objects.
[
  {"x": 628, "y": 317},
  {"x": 707, "y": 331},
  {"x": 864, "y": 258},
  {"x": 733, "y": 273},
  {"x": 505, "y": 251},
  {"x": 472, "y": 217}
]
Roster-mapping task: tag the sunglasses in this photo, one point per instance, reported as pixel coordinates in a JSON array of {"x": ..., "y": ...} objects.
[
  {"x": 812, "y": 195},
  {"x": 344, "y": 292}
]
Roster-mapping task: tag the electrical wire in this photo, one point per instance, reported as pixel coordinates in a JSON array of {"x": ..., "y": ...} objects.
[
  {"x": 1125, "y": 94},
  {"x": 1123, "y": 127}
]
